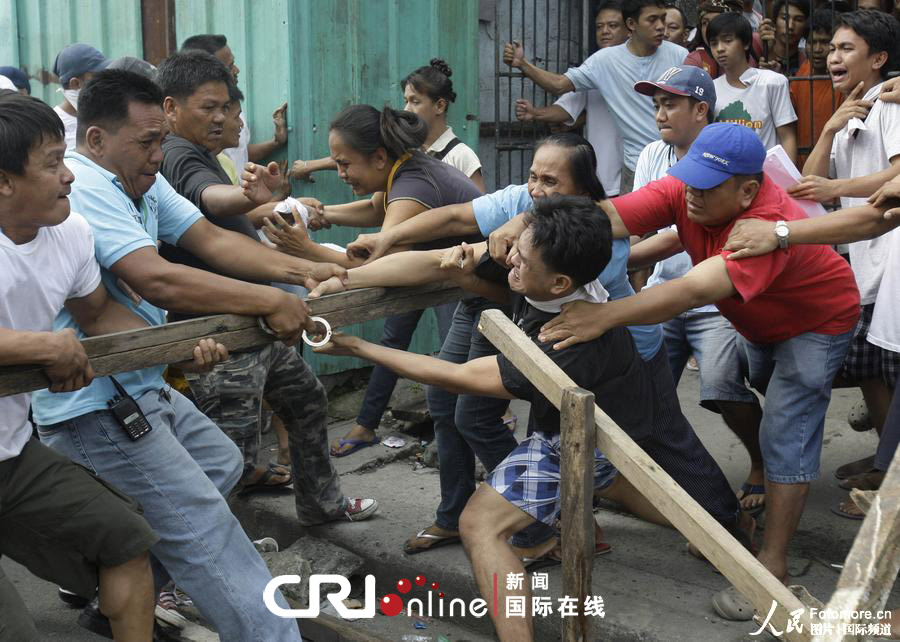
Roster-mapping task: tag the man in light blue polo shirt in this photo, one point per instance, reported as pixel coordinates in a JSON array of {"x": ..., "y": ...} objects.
[
  {"x": 613, "y": 72},
  {"x": 180, "y": 469}
]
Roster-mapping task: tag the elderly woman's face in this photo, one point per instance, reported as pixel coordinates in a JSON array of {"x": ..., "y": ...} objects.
[{"x": 551, "y": 173}]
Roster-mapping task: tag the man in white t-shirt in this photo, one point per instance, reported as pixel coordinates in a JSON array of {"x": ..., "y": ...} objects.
[
  {"x": 685, "y": 98},
  {"x": 857, "y": 152},
  {"x": 613, "y": 72},
  {"x": 600, "y": 128},
  {"x": 756, "y": 98},
  {"x": 74, "y": 66},
  {"x": 217, "y": 45},
  {"x": 56, "y": 518}
]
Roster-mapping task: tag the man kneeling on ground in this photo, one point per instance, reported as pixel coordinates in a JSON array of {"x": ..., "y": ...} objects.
[{"x": 557, "y": 259}]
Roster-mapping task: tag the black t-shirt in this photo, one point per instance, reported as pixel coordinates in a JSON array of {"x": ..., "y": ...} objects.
[
  {"x": 609, "y": 366},
  {"x": 190, "y": 169},
  {"x": 434, "y": 183}
]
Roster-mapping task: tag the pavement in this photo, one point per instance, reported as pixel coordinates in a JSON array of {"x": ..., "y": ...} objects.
[{"x": 651, "y": 587}]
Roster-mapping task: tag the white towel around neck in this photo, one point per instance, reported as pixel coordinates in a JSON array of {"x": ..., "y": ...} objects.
[{"x": 593, "y": 292}]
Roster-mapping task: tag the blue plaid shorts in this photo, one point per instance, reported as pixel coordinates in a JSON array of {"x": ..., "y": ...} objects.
[{"x": 529, "y": 476}]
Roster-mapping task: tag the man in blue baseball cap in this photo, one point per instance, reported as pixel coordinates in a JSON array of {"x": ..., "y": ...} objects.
[
  {"x": 74, "y": 66},
  {"x": 19, "y": 79},
  {"x": 795, "y": 310},
  {"x": 685, "y": 101}
]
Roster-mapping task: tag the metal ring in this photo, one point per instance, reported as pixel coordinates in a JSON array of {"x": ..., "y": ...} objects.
[{"x": 316, "y": 344}]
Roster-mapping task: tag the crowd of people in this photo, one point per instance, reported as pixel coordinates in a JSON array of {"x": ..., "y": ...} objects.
[{"x": 141, "y": 199}]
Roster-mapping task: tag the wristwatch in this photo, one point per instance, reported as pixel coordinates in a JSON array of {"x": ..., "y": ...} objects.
[{"x": 783, "y": 234}]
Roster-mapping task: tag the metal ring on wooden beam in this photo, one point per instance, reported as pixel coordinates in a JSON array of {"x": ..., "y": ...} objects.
[{"x": 326, "y": 339}]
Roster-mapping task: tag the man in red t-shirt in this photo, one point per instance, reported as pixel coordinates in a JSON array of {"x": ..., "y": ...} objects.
[{"x": 795, "y": 310}]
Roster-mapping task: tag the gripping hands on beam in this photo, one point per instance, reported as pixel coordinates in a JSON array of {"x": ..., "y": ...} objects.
[{"x": 174, "y": 342}]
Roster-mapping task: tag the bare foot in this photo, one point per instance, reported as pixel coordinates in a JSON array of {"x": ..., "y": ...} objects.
[{"x": 357, "y": 433}]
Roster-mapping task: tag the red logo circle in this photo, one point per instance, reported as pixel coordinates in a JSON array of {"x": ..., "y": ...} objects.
[
  {"x": 404, "y": 586},
  {"x": 420, "y": 580},
  {"x": 391, "y": 604}
]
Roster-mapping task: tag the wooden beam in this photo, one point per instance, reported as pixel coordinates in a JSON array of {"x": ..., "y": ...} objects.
[
  {"x": 577, "y": 434},
  {"x": 173, "y": 342},
  {"x": 718, "y": 546},
  {"x": 872, "y": 564}
]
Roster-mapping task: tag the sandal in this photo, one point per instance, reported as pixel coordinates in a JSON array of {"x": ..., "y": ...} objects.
[
  {"x": 848, "y": 510},
  {"x": 552, "y": 557},
  {"x": 436, "y": 541},
  {"x": 748, "y": 489},
  {"x": 265, "y": 480},
  {"x": 731, "y": 604},
  {"x": 357, "y": 444}
]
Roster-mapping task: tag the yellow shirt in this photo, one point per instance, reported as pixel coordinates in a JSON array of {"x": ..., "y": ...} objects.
[{"x": 228, "y": 165}]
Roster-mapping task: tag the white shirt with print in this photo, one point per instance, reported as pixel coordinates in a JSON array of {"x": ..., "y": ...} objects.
[{"x": 763, "y": 105}]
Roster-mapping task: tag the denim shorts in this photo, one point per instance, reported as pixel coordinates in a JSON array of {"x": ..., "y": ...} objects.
[
  {"x": 714, "y": 341},
  {"x": 795, "y": 376}
]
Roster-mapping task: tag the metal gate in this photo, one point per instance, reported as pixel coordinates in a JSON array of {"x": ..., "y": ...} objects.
[{"x": 554, "y": 35}]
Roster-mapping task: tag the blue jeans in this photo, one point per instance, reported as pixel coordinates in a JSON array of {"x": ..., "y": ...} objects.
[
  {"x": 795, "y": 376},
  {"x": 397, "y": 333},
  {"x": 179, "y": 472},
  {"x": 714, "y": 341}
]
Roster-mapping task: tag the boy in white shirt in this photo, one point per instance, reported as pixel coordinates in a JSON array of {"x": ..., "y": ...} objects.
[
  {"x": 857, "y": 152},
  {"x": 757, "y": 98}
]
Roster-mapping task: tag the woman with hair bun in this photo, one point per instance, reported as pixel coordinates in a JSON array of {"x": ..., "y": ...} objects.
[
  {"x": 381, "y": 153},
  {"x": 427, "y": 92}
]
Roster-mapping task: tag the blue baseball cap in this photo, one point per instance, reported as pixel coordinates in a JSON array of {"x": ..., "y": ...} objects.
[
  {"x": 722, "y": 150},
  {"x": 683, "y": 80},
  {"x": 76, "y": 60},
  {"x": 18, "y": 77}
]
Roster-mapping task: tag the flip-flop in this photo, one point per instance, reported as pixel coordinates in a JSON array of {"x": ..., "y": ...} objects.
[
  {"x": 357, "y": 444},
  {"x": 730, "y": 604},
  {"x": 840, "y": 511},
  {"x": 752, "y": 489},
  {"x": 544, "y": 561},
  {"x": 437, "y": 542},
  {"x": 262, "y": 484},
  {"x": 857, "y": 467}
]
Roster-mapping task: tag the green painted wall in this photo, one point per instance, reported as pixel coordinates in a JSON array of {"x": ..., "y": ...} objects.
[
  {"x": 319, "y": 55},
  {"x": 33, "y": 32},
  {"x": 322, "y": 55}
]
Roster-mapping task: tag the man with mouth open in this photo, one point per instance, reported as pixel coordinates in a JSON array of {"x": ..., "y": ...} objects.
[{"x": 857, "y": 153}]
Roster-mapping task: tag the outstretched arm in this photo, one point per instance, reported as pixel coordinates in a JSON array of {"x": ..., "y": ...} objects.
[
  {"x": 556, "y": 84},
  {"x": 753, "y": 237},
  {"x": 440, "y": 222},
  {"x": 580, "y": 321},
  {"x": 477, "y": 377}
]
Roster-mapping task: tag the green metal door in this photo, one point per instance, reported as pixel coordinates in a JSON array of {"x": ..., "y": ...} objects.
[{"x": 321, "y": 55}]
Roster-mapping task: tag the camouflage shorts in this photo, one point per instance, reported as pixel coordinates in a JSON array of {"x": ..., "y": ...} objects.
[{"x": 231, "y": 395}]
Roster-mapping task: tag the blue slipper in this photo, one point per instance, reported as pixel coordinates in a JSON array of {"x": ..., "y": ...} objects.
[
  {"x": 357, "y": 445},
  {"x": 753, "y": 489}
]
